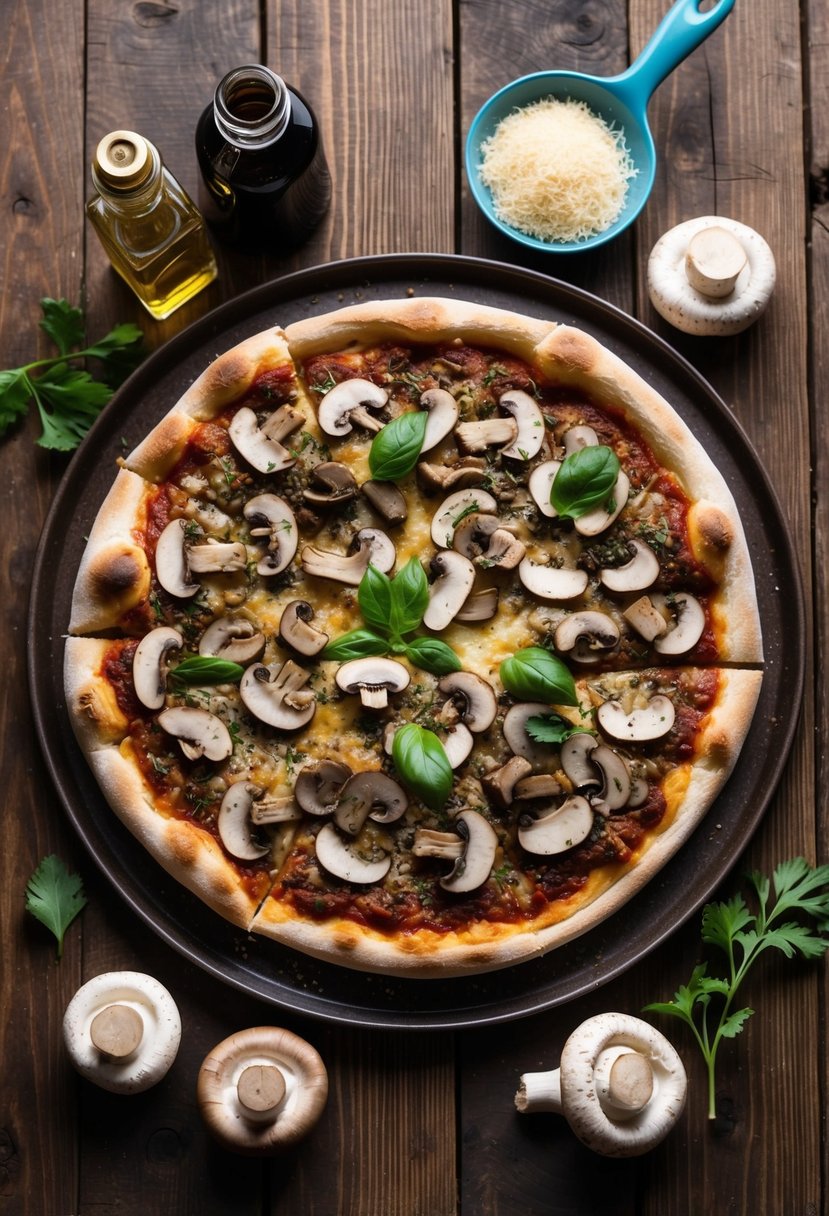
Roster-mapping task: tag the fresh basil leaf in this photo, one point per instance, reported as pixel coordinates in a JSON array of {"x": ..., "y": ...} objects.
[
  {"x": 374, "y": 596},
  {"x": 357, "y": 644},
  {"x": 534, "y": 674},
  {"x": 432, "y": 655},
  {"x": 395, "y": 449},
  {"x": 202, "y": 669},
  {"x": 552, "y": 728},
  {"x": 409, "y": 598},
  {"x": 421, "y": 761},
  {"x": 584, "y": 481}
]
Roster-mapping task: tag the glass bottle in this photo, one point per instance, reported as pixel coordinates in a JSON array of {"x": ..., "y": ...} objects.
[
  {"x": 265, "y": 182},
  {"x": 153, "y": 234}
]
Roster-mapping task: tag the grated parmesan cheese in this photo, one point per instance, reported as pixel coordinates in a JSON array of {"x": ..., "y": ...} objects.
[{"x": 557, "y": 171}]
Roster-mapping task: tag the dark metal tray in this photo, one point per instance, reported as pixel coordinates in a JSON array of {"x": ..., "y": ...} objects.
[{"x": 291, "y": 980}]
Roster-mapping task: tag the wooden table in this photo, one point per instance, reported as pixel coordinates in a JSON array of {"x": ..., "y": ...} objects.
[{"x": 417, "y": 1124}]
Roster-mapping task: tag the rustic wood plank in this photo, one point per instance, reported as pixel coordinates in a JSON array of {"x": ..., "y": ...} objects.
[{"x": 41, "y": 229}]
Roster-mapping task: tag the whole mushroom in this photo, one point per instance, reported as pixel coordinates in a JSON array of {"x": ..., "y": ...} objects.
[
  {"x": 711, "y": 275},
  {"x": 122, "y": 1031},
  {"x": 262, "y": 1090},
  {"x": 620, "y": 1085}
]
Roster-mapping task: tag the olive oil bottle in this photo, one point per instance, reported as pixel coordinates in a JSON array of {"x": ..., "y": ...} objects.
[
  {"x": 153, "y": 234},
  {"x": 265, "y": 182}
]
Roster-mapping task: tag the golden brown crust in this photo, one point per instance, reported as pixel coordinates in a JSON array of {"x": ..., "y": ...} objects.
[
  {"x": 114, "y": 574},
  {"x": 91, "y": 703}
]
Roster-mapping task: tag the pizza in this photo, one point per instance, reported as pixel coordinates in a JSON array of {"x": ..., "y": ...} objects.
[{"x": 417, "y": 636}]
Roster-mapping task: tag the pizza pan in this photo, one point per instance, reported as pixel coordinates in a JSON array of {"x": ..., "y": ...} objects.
[{"x": 275, "y": 973}]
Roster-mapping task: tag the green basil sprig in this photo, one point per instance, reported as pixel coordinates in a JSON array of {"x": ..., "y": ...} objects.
[
  {"x": 552, "y": 728},
  {"x": 534, "y": 674},
  {"x": 202, "y": 669},
  {"x": 395, "y": 449},
  {"x": 393, "y": 608},
  {"x": 421, "y": 761},
  {"x": 584, "y": 481}
]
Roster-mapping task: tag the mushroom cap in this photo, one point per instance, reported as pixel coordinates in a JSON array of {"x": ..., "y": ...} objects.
[
  {"x": 687, "y": 308},
  {"x": 478, "y": 704},
  {"x": 627, "y": 1137},
  {"x": 234, "y": 822},
  {"x": 443, "y": 414},
  {"x": 458, "y": 506},
  {"x": 274, "y": 693},
  {"x": 474, "y": 866},
  {"x": 527, "y": 443},
  {"x": 160, "y": 1032},
  {"x": 689, "y": 625},
  {"x": 199, "y": 732},
  {"x": 371, "y": 676},
  {"x": 557, "y": 828},
  {"x": 318, "y": 786},
  {"x": 636, "y": 575},
  {"x": 340, "y": 402},
  {"x": 171, "y": 567},
  {"x": 296, "y": 630},
  {"x": 450, "y": 590},
  {"x": 344, "y": 860},
  {"x": 148, "y": 667},
  {"x": 270, "y": 516},
  {"x": 234, "y": 638},
  {"x": 261, "y": 451},
  {"x": 230, "y": 1120},
  {"x": 652, "y": 721},
  {"x": 336, "y": 484},
  {"x": 552, "y": 582}
]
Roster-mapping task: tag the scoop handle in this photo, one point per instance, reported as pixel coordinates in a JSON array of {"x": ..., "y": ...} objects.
[{"x": 680, "y": 32}]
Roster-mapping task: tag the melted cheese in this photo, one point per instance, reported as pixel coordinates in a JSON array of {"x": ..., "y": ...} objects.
[{"x": 557, "y": 171}]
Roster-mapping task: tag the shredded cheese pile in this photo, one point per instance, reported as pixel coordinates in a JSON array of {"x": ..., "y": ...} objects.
[{"x": 557, "y": 171}]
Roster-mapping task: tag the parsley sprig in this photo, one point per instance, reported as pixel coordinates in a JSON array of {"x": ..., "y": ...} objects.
[
  {"x": 743, "y": 935},
  {"x": 68, "y": 397},
  {"x": 55, "y": 897}
]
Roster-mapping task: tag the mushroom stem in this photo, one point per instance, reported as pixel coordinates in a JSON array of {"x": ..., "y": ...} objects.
[
  {"x": 624, "y": 1082},
  {"x": 261, "y": 1089},
  {"x": 539, "y": 1091},
  {"x": 117, "y": 1031}
]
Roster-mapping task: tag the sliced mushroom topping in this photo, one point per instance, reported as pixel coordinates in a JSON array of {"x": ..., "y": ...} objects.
[
  {"x": 457, "y": 744},
  {"x": 480, "y": 606},
  {"x": 540, "y": 485},
  {"x": 639, "y": 790},
  {"x": 583, "y": 635},
  {"x": 270, "y": 516},
  {"x": 645, "y": 619},
  {"x": 149, "y": 669},
  {"x": 372, "y": 548},
  {"x": 234, "y": 822},
  {"x": 552, "y": 582},
  {"x": 171, "y": 567},
  {"x": 276, "y": 696},
  {"x": 281, "y": 809},
  {"x": 217, "y": 557},
  {"x": 557, "y": 829},
  {"x": 616, "y": 785},
  {"x": 260, "y": 446},
  {"x": 335, "y": 481},
  {"x": 456, "y": 508},
  {"x": 596, "y": 521},
  {"x": 500, "y": 784},
  {"x": 642, "y": 725},
  {"x": 318, "y": 786},
  {"x": 473, "y": 697},
  {"x": 443, "y": 414},
  {"x": 472, "y": 848},
  {"x": 636, "y": 575},
  {"x": 539, "y": 785},
  {"x": 199, "y": 733},
  {"x": 486, "y": 433},
  {"x": 234, "y": 638},
  {"x": 576, "y": 754},
  {"x": 296, "y": 630},
  {"x": 450, "y": 590},
  {"x": 505, "y": 551},
  {"x": 387, "y": 500},
  {"x": 344, "y": 860},
  {"x": 530, "y": 422},
  {"x": 578, "y": 437},
  {"x": 515, "y": 731},
  {"x": 347, "y": 404},
  {"x": 484, "y": 540},
  {"x": 689, "y": 622},
  {"x": 373, "y": 679},
  {"x": 470, "y": 471},
  {"x": 366, "y": 795}
]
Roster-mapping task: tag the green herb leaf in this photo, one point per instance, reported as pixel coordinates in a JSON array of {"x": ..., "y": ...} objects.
[
  {"x": 552, "y": 728},
  {"x": 55, "y": 897},
  {"x": 432, "y": 655},
  {"x": 15, "y": 391},
  {"x": 357, "y": 644},
  {"x": 409, "y": 599},
  {"x": 202, "y": 669},
  {"x": 63, "y": 323},
  {"x": 374, "y": 596},
  {"x": 742, "y": 935},
  {"x": 395, "y": 449},
  {"x": 584, "y": 481},
  {"x": 421, "y": 761},
  {"x": 534, "y": 674}
]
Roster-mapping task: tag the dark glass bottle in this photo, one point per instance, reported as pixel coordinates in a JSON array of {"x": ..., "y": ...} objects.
[{"x": 264, "y": 179}]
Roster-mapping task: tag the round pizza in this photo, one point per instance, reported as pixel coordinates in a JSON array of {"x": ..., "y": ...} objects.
[{"x": 416, "y": 636}]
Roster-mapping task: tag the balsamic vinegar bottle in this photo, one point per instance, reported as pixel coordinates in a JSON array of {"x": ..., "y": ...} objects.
[
  {"x": 152, "y": 233},
  {"x": 265, "y": 182}
]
